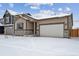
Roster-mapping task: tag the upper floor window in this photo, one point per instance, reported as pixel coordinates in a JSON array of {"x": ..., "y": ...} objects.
[{"x": 7, "y": 19}]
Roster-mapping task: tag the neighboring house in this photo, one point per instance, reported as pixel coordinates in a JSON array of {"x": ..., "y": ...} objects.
[{"x": 23, "y": 24}]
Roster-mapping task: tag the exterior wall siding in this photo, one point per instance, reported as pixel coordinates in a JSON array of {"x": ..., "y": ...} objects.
[
  {"x": 66, "y": 33},
  {"x": 20, "y": 21},
  {"x": 27, "y": 28},
  {"x": 29, "y": 25},
  {"x": 23, "y": 32},
  {"x": 9, "y": 30},
  {"x": 58, "y": 20}
]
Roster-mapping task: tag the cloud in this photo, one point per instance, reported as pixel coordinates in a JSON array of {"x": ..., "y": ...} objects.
[
  {"x": 0, "y": 5},
  {"x": 35, "y": 6},
  {"x": 49, "y": 4},
  {"x": 68, "y": 9},
  {"x": 11, "y": 5},
  {"x": 47, "y": 12},
  {"x": 60, "y": 9},
  {"x": 65, "y": 10},
  {"x": 44, "y": 14}
]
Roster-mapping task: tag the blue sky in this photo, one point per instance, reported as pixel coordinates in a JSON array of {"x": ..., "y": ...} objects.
[{"x": 35, "y": 8}]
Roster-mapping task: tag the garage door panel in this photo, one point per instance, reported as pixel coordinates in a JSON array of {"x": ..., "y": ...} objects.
[{"x": 51, "y": 30}]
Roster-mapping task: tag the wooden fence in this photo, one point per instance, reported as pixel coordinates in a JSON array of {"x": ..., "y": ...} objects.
[{"x": 74, "y": 33}]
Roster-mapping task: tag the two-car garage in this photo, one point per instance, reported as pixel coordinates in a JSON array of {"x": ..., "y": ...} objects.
[
  {"x": 58, "y": 25},
  {"x": 53, "y": 30}
]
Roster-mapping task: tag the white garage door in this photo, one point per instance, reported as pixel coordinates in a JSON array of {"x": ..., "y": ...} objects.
[{"x": 54, "y": 30}]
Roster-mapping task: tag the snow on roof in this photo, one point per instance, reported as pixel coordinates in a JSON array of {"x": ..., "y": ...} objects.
[
  {"x": 12, "y": 12},
  {"x": 23, "y": 17},
  {"x": 38, "y": 16}
]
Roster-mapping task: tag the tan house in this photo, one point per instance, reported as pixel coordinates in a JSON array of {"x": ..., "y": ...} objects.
[{"x": 23, "y": 24}]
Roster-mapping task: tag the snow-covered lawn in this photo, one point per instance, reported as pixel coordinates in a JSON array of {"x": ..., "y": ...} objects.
[{"x": 24, "y": 46}]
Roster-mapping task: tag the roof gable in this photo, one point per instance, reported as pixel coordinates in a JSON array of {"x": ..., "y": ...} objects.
[{"x": 12, "y": 12}]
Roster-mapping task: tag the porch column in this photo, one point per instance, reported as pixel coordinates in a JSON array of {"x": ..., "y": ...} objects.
[{"x": 34, "y": 28}]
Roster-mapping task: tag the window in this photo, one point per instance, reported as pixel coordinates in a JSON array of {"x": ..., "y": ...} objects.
[
  {"x": 7, "y": 19},
  {"x": 20, "y": 26}
]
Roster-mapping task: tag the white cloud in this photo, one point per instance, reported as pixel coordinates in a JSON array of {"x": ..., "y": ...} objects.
[
  {"x": 34, "y": 6},
  {"x": 50, "y": 4},
  {"x": 68, "y": 9},
  {"x": 37, "y": 5},
  {"x": 11, "y": 5},
  {"x": 47, "y": 12},
  {"x": 0, "y": 5},
  {"x": 65, "y": 10},
  {"x": 44, "y": 14},
  {"x": 60, "y": 9}
]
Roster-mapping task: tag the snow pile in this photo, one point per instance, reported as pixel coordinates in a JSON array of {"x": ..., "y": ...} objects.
[{"x": 14, "y": 45}]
